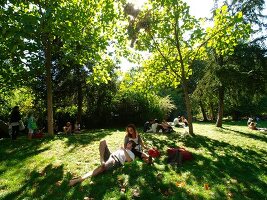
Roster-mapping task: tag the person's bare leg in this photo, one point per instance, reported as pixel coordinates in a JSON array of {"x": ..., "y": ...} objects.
[
  {"x": 102, "y": 147},
  {"x": 96, "y": 171}
]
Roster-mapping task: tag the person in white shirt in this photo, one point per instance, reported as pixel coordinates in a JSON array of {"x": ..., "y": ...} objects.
[{"x": 109, "y": 160}]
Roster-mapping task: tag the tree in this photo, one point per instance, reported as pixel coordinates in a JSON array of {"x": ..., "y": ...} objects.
[
  {"x": 170, "y": 34},
  {"x": 83, "y": 28},
  {"x": 226, "y": 33}
]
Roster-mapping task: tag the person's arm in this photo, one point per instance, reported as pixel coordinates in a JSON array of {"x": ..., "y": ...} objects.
[
  {"x": 126, "y": 140},
  {"x": 141, "y": 142}
]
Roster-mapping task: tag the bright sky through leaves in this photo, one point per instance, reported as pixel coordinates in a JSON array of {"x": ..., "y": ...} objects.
[{"x": 198, "y": 8}]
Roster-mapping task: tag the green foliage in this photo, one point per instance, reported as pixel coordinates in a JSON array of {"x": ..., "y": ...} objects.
[
  {"x": 78, "y": 33},
  {"x": 243, "y": 75},
  {"x": 138, "y": 107},
  {"x": 227, "y": 31},
  {"x": 22, "y": 97},
  {"x": 139, "y": 100}
]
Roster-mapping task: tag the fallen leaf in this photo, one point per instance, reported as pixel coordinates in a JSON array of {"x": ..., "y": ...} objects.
[
  {"x": 136, "y": 193},
  {"x": 58, "y": 183},
  {"x": 206, "y": 186},
  {"x": 180, "y": 184},
  {"x": 123, "y": 190},
  {"x": 230, "y": 194}
]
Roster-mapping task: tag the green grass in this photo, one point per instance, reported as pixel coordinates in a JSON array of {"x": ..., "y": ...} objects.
[{"x": 231, "y": 160}]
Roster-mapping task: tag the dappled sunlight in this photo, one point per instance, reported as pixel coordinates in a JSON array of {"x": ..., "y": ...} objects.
[{"x": 225, "y": 163}]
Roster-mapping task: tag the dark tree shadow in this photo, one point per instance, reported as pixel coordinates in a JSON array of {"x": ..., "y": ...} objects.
[
  {"x": 42, "y": 185},
  {"x": 257, "y": 135},
  {"x": 86, "y": 137}
]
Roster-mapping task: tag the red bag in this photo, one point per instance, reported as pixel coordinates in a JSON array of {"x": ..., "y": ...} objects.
[
  {"x": 153, "y": 153},
  {"x": 186, "y": 155}
]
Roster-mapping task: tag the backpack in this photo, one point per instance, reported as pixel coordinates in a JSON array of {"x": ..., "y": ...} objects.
[{"x": 178, "y": 155}]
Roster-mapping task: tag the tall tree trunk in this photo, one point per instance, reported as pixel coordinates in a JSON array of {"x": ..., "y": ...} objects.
[
  {"x": 203, "y": 111},
  {"x": 48, "y": 66},
  {"x": 220, "y": 109},
  {"x": 188, "y": 106}
]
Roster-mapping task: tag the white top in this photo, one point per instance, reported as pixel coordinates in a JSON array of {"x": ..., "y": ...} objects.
[
  {"x": 154, "y": 127},
  {"x": 120, "y": 154},
  {"x": 175, "y": 121}
]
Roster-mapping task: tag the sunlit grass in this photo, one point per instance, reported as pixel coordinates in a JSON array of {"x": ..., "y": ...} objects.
[{"x": 230, "y": 161}]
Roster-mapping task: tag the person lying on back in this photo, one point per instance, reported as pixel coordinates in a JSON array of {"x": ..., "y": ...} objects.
[{"x": 109, "y": 160}]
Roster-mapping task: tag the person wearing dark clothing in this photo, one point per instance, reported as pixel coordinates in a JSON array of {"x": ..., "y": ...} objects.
[
  {"x": 14, "y": 122},
  {"x": 147, "y": 126}
]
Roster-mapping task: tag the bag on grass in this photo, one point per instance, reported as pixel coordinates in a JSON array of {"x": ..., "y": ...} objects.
[
  {"x": 153, "y": 152},
  {"x": 178, "y": 155}
]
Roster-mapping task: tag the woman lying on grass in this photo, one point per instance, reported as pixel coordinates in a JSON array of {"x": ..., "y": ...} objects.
[{"x": 108, "y": 160}]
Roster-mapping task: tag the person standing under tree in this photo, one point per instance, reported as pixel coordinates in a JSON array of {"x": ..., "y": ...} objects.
[
  {"x": 14, "y": 122},
  {"x": 31, "y": 125}
]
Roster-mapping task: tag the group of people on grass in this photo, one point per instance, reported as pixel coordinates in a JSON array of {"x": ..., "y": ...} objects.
[
  {"x": 69, "y": 129},
  {"x": 154, "y": 126},
  {"x": 16, "y": 124},
  {"x": 133, "y": 147}
]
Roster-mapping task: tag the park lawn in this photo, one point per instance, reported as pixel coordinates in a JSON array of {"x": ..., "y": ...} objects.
[{"x": 231, "y": 161}]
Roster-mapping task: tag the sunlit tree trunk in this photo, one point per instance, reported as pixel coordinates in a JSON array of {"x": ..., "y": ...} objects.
[
  {"x": 220, "y": 109},
  {"x": 48, "y": 66},
  {"x": 187, "y": 103}
]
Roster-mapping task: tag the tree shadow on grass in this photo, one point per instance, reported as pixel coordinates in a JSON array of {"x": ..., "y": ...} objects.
[
  {"x": 138, "y": 180},
  {"x": 245, "y": 166},
  {"x": 162, "y": 144},
  {"x": 257, "y": 135},
  {"x": 86, "y": 137},
  {"x": 219, "y": 164},
  {"x": 41, "y": 185},
  {"x": 15, "y": 152}
]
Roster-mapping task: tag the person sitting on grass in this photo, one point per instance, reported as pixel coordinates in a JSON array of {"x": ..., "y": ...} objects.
[
  {"x": 77, "y": 127},
  {"x": 250, "y": 119},
  {"x": 108, "y": 160},
  {"x": 133, "y": 135},
  {"x": 184, "y": 120},
  {"x": 68, "y": 128},
  {"x": 177, "y": 122},
  {"x": 166, "y": 127},
  {"x": 253, "y": 126}
]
